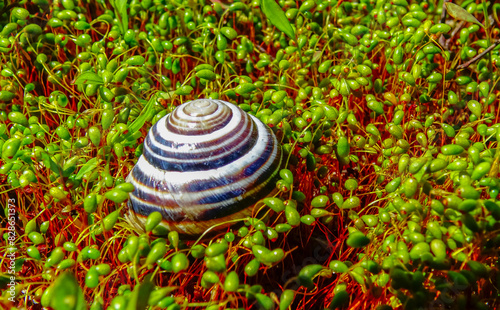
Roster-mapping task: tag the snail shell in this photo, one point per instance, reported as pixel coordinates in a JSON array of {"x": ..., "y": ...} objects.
[{"x": 206, "y": 163}]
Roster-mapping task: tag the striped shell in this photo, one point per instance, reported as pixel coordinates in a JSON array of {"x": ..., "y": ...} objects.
[{"x": 205, "y": 163}]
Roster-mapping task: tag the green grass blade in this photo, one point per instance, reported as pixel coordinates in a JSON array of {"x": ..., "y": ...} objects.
[
  {"x": 457, "y": 12},
  {"x": 121, "y": 7},
  {"x": 277, "y": 17},
  {"x": 89, "y": 78},
  {"x": 67, "y": 294},
  {"x": 89, "y": 166}
]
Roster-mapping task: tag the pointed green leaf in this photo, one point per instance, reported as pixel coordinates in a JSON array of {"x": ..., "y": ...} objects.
[
  {"x": 459, "y": 13},
  {"x": 140, "y": 296},
  {"x": 67, "y": 294},
  {"x": 146, "y": 114},
  {"x": 49, "y": 163},
  {"x": 19, "y": 264},
  {"x": 89, "y": 166},
  {"x": 89, "y": 78},
  {"x": 121, "y": 7},
  {"x": 277, "y": 17}
]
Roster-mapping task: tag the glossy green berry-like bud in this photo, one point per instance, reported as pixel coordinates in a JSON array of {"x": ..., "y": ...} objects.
[
  {"x": 307, "y": 273},
  {"x": 229, "y": 33},
  {"x": 252, "y": 267},
  {"x": 179, "y": 262},
  {"x": 90, "y": 203},
  {"x": 276, "y": 204},
  {"x": 153, "y": 220},
  {"x": 216, "y": 249}
]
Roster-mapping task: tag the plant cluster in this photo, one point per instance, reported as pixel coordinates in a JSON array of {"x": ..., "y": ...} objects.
[{"x": 387, "y": 112}]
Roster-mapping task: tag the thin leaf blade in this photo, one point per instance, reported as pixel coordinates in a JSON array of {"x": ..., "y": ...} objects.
[
  {"x": 89, "y": 78},
  {"x": 89, "y": 166},
  {"x": 49, "y": 163},
  {"x": 146, "y": 114},
  {"x": 277, "y": 17},
  {"x": 121, "y": 6},
  {"x": 67, "y": 294},
  {"x": 138, "y": 300},
  {"x": 457, "y": 12}
]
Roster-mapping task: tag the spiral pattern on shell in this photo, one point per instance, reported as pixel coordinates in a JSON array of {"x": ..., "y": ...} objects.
[{"x": 205, "y": 163}]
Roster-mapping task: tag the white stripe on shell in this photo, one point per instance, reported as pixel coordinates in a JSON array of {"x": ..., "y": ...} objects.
[
  {"x": 221, "y": 105},
  {"x": 197, "y": 139},
  {"x": 190, "y": 148},
  {"x": 176, "y": 180}
]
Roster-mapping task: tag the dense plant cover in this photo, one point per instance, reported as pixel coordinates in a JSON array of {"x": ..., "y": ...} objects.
[{"x": 387, "y": 112}]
